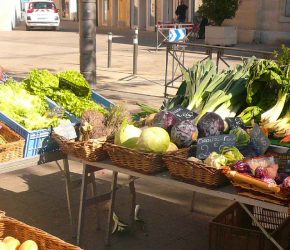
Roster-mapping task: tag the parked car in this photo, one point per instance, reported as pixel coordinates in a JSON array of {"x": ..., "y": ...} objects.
[{"x": 42, "y": 13}]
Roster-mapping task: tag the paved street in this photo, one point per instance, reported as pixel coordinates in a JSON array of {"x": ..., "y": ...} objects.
[{"x": 36, "y": 195}]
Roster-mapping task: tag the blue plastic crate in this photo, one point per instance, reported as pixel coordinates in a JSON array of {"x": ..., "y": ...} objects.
[
  {"x": 101, "y": 100},
  {"x": 37, "y": 141},
  {"x": 96, "y": 98}
]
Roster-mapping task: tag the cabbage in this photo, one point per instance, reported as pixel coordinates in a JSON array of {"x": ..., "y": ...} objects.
[
  {"x": 172, "y": 147},
  {"x": 243, "y": 138},
  {"x": 184, "y": 133},
  {"x": 153, "y": 139},
  {"x": 286, "y": 182},
  {"x": 260, "y": 172},
  {"x": 242, "y": 167},
  {"x": 127, "y": 135},
  {"x": 232, "y": 154},
  {"x": 210, "y": 124},
  {"x": 216, "y": 160},
  {"x": 164, "y": 119}
]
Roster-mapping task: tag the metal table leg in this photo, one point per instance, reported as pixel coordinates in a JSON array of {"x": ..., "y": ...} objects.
[
  {"x": 111, "y": 208},
  {"x": 192, "y": 202},
  {"x": 133, "y": 202},
  {"x": 82, "y": 204},
  {"x": 261, "y": 227},
  {"x": 68, "y": 189}
]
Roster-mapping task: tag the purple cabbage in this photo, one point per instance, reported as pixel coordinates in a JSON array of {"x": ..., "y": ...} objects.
[
  {"x": 269, "y": 180},
  {"x": 184, "y": 133},
  {"x": 286, "y": 182},
  {"x": 280, "y": 178},
  {"x": 210, "y": 124},
  {"x": 242, "y": 167},
  {"x": 164, "y": 119},
  {"x": 260, "y": 172}
]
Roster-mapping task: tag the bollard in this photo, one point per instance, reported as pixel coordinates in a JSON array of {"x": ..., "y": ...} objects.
[
  {"x": 135, "y": 53},
  {"x": 136, "y": 31},
  {"x": 110, "y": 38}
]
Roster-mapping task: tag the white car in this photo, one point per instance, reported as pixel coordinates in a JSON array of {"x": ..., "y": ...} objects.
[{"x": 42, "y": 14}]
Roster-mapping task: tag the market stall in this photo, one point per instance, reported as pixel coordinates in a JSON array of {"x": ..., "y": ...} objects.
[{"x": 218, "y": 135}]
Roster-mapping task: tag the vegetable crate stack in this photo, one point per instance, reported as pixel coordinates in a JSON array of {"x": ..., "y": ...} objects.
[{"x": 43, "y": 101}]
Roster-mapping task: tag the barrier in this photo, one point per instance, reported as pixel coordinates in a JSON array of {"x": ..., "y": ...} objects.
[{"x": 162, "y": 29}]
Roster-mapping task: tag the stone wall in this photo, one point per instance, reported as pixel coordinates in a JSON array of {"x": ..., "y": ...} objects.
[{"x": 262, "y": 21}]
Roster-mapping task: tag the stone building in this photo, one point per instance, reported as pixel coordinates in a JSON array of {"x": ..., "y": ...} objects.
[{"x": 263, "y": 21}]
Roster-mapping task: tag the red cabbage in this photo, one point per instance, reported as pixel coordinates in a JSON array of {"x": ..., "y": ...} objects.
[
  {"x": 210, "y": 124},
  {"x": 260, "y": 173},
  {"x": 164, "y": 119},
  {"x": 280, "y": 178},
  {"x": 184, "y": 133},
  {"x": 286, "y": 182},
  {"x": 242, "y": 167}
]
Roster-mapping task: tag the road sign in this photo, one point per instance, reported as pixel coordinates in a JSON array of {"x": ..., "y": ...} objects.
[{"x": 176, "y": 35}]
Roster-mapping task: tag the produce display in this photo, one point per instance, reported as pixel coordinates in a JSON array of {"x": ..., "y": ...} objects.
[
  {"x": 255, "y": 92},
  {"x": 75, "y": 82},
  {"x": 11, "y": 243},
  {"x": 74, "y": 96},
  {"x": 29, "y": 110}
]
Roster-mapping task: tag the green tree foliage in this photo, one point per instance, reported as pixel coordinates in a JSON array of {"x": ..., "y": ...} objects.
[{"x": 219, "y": 10}]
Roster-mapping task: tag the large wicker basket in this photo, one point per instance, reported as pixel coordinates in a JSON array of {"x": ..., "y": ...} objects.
[
  {"x": 258, "y": 189},
  {"x": 194, "y": 172},
  {"x": 91, "y": 150},
  {"x": 147, "y": 163},
  {"x": 23, "y": 232},
  {"x": 14, "y": 146}
]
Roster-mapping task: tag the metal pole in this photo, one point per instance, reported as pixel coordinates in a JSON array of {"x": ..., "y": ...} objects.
[
  {"x": 110, "y": 37},
  {"x": 87, "y": 36},
  {"x": 166, "y": 71},
  {"x": 135, "y": 52}
]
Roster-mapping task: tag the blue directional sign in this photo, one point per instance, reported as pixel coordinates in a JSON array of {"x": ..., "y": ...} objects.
[{"x": 176, "y": 35}]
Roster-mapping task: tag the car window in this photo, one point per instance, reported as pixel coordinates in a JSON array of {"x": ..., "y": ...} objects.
[{"x": 43, "y": 5}]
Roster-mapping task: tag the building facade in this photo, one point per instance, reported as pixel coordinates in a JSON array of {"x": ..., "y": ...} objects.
[
  {"x": 10, "y": 14},
  {"x": 263, "y": 21}
]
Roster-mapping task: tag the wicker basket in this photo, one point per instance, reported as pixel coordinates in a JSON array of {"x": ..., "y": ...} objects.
[
  {"x": 234, "y": 229},
  {"x": 23, "y": 232},
  {"x": 193, "y": 172},
  {"x": 14, "y": 147},
  {"x": 257, "y": 189},
  {"x": 87, "y": 150},
  {"x": 147, "y": 163}
]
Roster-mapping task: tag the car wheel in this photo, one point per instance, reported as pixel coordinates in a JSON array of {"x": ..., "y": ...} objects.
[
  {"x": 27, "y": 28},
  {"x": 55, "y": 28}
]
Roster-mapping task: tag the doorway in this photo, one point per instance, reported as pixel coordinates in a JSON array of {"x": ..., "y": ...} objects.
[{"x": 168, "y": 11}]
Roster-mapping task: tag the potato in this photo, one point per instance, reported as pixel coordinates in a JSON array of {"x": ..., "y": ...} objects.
[
  {"x": 28, "y": 245},
  {"x": 2, "y": 246},
  {"x": 11, "y": 243}
]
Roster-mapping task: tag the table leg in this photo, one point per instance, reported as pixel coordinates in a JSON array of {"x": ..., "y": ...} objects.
[
  {"x": 133, "y": 202},
  {"x": 69, "y": 194},
  {"x": 82, "y": 204},
  {"x": 261, "y": 227},
  {"x": 111, "y": 208},
  {"x": 192, "y": 202},
  {"x": 94, "y": 194}
]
